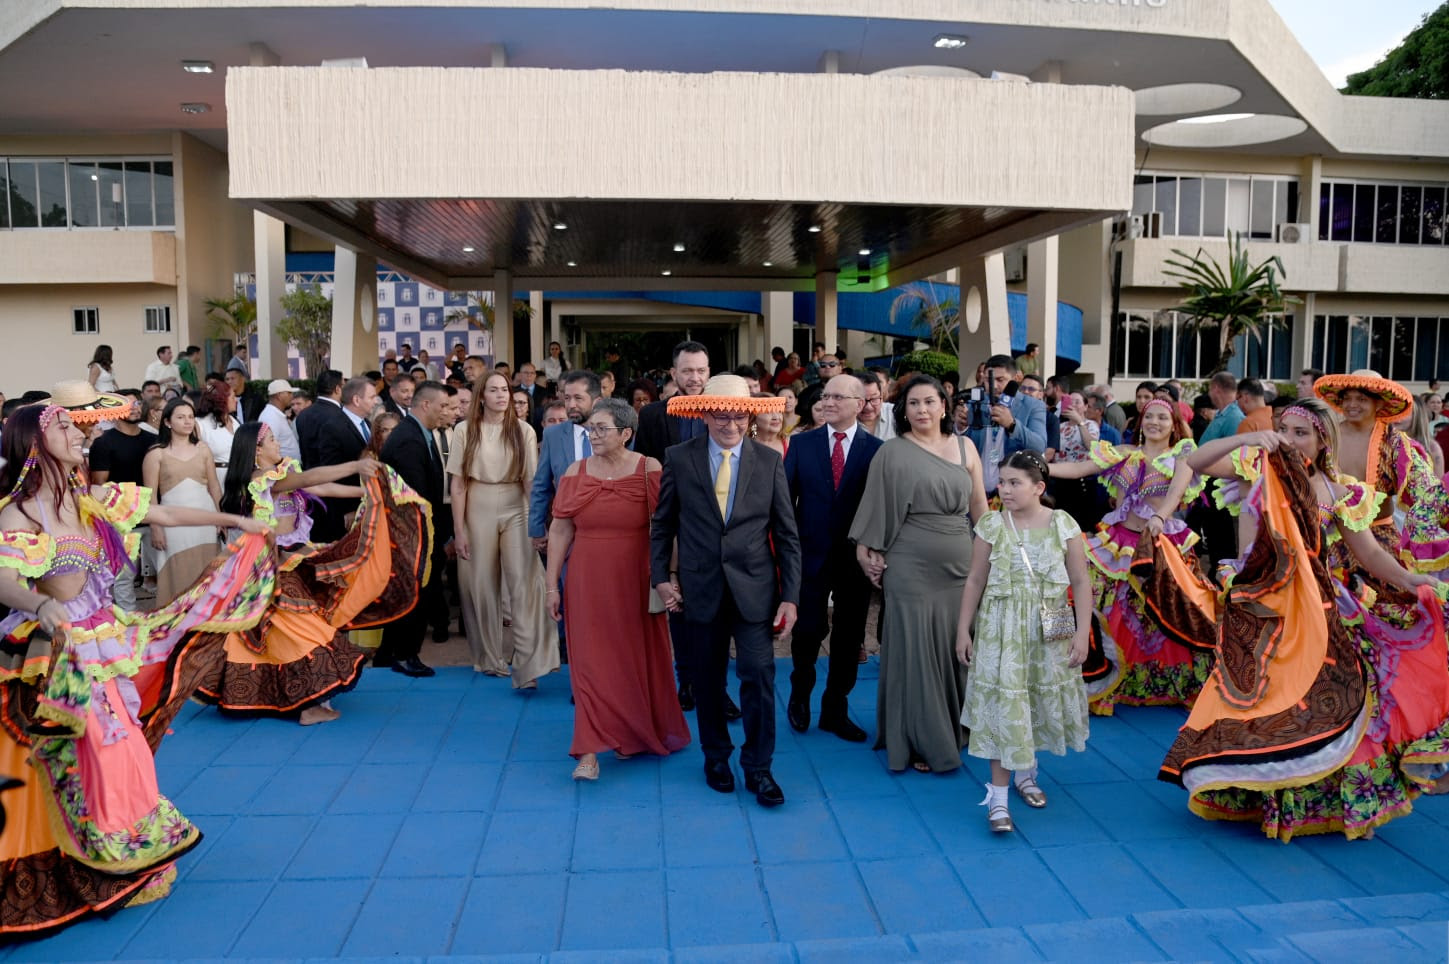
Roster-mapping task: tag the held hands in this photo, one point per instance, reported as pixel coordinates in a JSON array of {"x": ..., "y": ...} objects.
[
  {"x": 254, "y": 526},
  {"x": 540, "y": 544},
  {"x": 1077, "y": 655},
  {"x": 672, "y": 598},
  {"x": 873, "y": 564}
]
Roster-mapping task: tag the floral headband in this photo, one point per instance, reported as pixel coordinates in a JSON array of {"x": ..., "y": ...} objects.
[
  {"x": 1158, "y": 401},
  {"x": 1311, "y": 419}
]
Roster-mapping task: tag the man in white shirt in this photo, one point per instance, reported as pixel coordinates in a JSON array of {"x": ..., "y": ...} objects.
[
  {"x": 163, "y": 372},
  {"x": 274, "y": 417}
]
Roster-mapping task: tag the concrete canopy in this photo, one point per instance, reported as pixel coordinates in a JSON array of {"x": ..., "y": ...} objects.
[{"x": 737, "y": 168}]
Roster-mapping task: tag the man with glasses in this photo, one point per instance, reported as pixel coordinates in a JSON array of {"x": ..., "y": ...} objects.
[
  {"x": 826, "y": 469},
  {"x": 877, "y": 415},
  {"x": 724, "y": 501}
]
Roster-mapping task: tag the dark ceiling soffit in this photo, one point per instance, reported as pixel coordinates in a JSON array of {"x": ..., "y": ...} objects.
[{"x": 1032, "y": 228}]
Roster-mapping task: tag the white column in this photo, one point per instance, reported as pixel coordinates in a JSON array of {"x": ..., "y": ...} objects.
[
  {"x": 826, "y": 301},
  {"x": 270, "y": 240},
  {"x": 1041, "y": 301},
  {"x": 1303, "y": 333},
  {"x": 537, "y": 350},
  {"x": 354, "y": 313},
  {"x": 985, "y": 326},
  {"x": 503, "y": 317},
  {"x": 555, "y": 325},
  {"x": 778, "y": 311}
]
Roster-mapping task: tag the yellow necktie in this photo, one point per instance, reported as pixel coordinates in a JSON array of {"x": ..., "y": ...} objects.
[{"x": 722, "y": 486}]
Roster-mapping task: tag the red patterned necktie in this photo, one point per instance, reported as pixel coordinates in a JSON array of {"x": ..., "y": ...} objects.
[{"x": 837, "y": 459}]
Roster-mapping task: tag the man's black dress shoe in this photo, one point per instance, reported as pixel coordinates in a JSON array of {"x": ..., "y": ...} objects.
[
  {"x": 440, "y": 635},
  {"x": 799, "y": 716},
  {"x": 686, "y": 697},
  {"x": 842, "y": 727},
  {"x": 732, "y": 712},
  {"x": 762, "y": 784},
  {"x": 719, "y": 776},
  {"x": 413, "y": 667}
]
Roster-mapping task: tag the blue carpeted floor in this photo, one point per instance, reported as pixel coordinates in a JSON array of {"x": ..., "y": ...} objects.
[{"x": 437, "y": 818}]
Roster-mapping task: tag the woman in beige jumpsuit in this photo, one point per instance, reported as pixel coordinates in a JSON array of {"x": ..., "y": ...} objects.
[{"x": 490, "y": 466}]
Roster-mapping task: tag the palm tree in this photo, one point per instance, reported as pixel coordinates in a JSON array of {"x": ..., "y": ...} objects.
[
  {"x": 234, "y": 317},
  {"x": 478, "y": 313},
  {"x": 939, "y": 317},
  {"x": 1243, "y": 299}
]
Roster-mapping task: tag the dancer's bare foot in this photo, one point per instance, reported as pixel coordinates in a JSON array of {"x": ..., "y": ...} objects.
[{"x": 317, "y": 714}]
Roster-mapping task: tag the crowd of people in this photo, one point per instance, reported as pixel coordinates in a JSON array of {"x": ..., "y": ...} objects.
[{"x": 1033, "y": 555}]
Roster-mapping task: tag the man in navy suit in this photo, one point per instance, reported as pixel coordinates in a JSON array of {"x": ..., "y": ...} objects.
[
  {"x": 563, "y": 445},
  {"x": 826, "y": 469},
  {"x": 724, "y": 498},
  {"x": 331, "y": 432},
  {"x": 412, "y": 452},
  {"x": 1016, "y": 422}
]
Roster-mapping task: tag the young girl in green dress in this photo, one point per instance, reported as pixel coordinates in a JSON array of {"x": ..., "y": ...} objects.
[{"x": 1024, "y": 692}]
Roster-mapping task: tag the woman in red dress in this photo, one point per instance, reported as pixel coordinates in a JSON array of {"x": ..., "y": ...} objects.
[{"x": 620, "y": 662}]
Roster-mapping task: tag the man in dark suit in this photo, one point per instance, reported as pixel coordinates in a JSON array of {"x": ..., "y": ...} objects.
[
  {"x": 413, "y": 454},
  {"x": 725, "y": 499},
  {"x": 658, "y": 430},
  {"x": 826, "y": 469},
  {"x": 327, "y": 435}
]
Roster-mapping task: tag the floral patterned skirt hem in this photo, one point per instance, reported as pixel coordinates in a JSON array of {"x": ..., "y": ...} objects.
[
  {"x": 1353, "y": 801},
  {"x": 1156, "y": 684}
]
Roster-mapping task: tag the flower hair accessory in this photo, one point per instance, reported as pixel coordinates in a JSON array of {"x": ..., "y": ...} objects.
[
  {"x": 1161, "y": 402},
  {"x": 1310, "y": 418}
]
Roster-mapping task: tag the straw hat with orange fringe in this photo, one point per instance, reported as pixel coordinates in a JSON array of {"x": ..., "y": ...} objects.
[
  {"x": 1395, "y": 401},
  {"x": 723, "y": 393},
  {"x": 84, "y": 404}
]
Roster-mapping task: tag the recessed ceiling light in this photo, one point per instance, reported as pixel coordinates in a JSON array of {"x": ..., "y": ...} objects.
[
  {"x": 864, "y": 252},
  {"x": 814, "y": 229},
  {"x": 560, "y": 226},
  {"x": 949, "y": 41},
  {"x": 678, "y": 247},
  {"x": 573, "y": 264},
  {"x": 769, "y": 264},
  {"x": 666, "y": 273},
  {"x": 95, "y": 177},
  {"x": 195, "y": 108},
  {"x": 197, "y": 66},
  {"x": 1214, "y": 119},
  {"x": 468, "y": 249}
]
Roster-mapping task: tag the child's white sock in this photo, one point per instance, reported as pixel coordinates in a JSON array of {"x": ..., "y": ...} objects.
[{"x": 1024, "y": 776}]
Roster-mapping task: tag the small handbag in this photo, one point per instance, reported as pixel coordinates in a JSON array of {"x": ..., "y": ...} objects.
[{"x": 1057, "y": 622}]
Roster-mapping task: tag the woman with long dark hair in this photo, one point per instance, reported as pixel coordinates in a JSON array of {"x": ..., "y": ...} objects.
[
  {"x": 914, "y": 534},
  {"x": 216, "y": 423},
  {"x": 302, "y": 657},
  {"x": 98, "y": 372},
  {"x": 89, "y": 831},
  {"x": 178, "y": 471},
  {"x": 491, "y": 464}
]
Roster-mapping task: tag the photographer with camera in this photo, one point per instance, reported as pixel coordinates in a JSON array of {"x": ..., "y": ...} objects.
[{"x": 1004, "y": 421}]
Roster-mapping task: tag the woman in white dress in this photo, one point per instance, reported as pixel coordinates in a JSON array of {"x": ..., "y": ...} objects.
[
  {"x": 216, "y": 424},
  {"x": 98, "y": 372},
  {"x": 178, "y": 470}
]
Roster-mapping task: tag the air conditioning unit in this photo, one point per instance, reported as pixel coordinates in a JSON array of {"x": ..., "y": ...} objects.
[
  {"x": 1152, "y": 224},
  {"x": 1290, "y": 233},
  {"x": 1015, "y": 259},
  {"x": 1128, "y": 229}
]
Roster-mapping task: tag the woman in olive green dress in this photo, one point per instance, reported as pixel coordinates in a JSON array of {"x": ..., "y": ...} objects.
[{"x": 913, "y": 538}]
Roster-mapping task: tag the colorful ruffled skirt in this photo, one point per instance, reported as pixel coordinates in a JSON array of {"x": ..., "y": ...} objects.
[
  {"x": 1319, "y": 716},
  {"x": 1152, "y": 667},
  {"x": 299, "y": 654},
  {"x": 89, "y": 831}
]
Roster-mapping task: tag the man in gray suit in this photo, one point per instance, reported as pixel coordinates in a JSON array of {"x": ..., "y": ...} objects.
[{"x": 725, "y": 499}]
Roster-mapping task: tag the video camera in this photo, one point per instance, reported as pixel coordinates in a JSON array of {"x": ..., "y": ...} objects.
[{"x": 982, "y": 400}]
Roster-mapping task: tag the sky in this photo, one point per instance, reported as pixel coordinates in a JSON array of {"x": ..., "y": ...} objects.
[{"x": 1346, "y": 36}]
